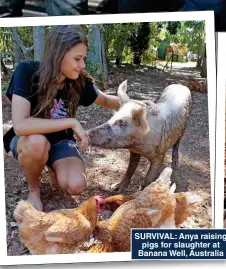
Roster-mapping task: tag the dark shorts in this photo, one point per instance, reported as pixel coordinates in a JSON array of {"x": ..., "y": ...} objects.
[{"x": 60, "y": 150}]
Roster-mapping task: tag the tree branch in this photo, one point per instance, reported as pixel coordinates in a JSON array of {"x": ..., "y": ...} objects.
[{"x": 17, "y": 38}]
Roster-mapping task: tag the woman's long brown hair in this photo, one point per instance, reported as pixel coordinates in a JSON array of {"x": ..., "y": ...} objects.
[{"x": 59, "y": 40}]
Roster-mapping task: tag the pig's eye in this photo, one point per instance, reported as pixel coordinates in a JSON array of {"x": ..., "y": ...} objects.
[{"x": 121, "y": 122}]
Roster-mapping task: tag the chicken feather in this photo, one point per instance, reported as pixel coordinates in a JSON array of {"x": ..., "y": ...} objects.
[
  {"x": 154, "y": 207},
  {"x": 59, "y": 231}
]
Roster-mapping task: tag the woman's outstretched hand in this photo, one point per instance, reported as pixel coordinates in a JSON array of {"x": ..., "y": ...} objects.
[{"x": 81, "y": 135}]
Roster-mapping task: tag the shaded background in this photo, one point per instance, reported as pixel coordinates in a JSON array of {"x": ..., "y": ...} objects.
[{"x": 15, "y": 8}]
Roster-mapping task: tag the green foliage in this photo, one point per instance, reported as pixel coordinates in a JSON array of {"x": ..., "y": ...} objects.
[
  {"x": 139, "y": 40},
  {"x": 127, "y": 55},
  {"x": 4, "y": 86},
  {"x": 96, "y": 70},
  {"x": 26, "y": 33},
  {"x": 124, "y": 40},
  {"x": 149, "y": 57},
  {"x": 173, "y": 26},
  {"x": 47, "y": 29},
  {"x": 121, "y": 33},
  {"x": 5, "y": 42},
  {"x": 116, "y": 40},
  {"x": 191, "y": 33}
]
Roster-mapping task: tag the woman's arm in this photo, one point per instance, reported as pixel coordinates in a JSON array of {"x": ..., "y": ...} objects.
[
  {"x": 108, "y": 101},
  {"x": 24, "y": 124}
]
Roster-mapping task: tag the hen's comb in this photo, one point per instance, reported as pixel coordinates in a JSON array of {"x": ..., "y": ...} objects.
[{"x": 99, "y": 197}]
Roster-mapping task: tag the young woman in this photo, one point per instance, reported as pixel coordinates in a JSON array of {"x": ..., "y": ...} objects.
[{"x": 45, "y": 97}]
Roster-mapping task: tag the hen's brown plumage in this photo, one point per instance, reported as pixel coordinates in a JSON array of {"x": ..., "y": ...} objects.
[
  {"x": 153, "y": 207},
  {"x": 113, "y": 202},
  {"x": 185, "y": 204},
  {"x": 157, "y": 206},
  {"x": 56, "y": 232}
]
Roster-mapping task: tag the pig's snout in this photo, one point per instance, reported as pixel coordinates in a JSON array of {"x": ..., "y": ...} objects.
[{"x": 101, "y": 135}]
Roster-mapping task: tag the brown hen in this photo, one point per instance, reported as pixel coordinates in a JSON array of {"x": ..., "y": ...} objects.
[
  {"x": 157, "y": 206},
  {"x": 185, "y": 204},
  {"x": 59, "y": 231}
]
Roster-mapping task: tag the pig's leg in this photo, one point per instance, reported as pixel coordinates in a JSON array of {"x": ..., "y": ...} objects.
[
  {"x": 153, "y": 172},
  {"x": 175, "y": 155},
  {"x": 133, "y": 162}
]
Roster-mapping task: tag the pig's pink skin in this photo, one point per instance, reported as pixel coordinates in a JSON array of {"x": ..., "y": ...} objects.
[{"x": 136, "y": 128}]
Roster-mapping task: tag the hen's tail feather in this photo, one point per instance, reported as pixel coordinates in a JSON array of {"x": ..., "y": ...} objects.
[
  {"x": 192, "y": 198},
  {"x": 20, "y": 209},
  {"x": 173, "y": 188},
  {"x": 186, "y": 203},
  {"x": 164, "y": 178}
]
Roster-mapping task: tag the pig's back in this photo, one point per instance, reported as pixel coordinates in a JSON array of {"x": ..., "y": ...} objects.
[
  {"x": 169, "y": 124},
  {"x": 175, "y": 96},
  {"x": 174, "y": 101}
]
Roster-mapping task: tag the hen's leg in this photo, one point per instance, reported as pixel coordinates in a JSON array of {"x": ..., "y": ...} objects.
[{"x": 133, "y": 163}]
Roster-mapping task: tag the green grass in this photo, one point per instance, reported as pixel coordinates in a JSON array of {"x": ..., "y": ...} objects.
[{"x": 4, "y": 86}]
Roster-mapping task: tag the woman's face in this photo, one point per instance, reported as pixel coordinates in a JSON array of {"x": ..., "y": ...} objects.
[{"x": 73, "y": 62}]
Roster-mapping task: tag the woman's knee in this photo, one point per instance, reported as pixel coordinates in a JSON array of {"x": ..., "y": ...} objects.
[
  {"x": 74, "y": 184},
  {"x": 36, "y": 146}
]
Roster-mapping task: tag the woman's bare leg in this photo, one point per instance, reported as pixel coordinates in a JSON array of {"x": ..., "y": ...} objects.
[
  {"x": 71, "y": 174},
  {"x": 32, "y": 156}
]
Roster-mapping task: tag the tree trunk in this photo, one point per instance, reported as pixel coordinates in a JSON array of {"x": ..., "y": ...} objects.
[
  {"x": 119, "y": 47},
  {"x": 203, "y": 69},
  {"x": 136, "y": 59},
  {"x": 199, "y": 61},
  {"x": 104, "y": 61},
  {"x": 19, "y": 48},
  {"x": 118, "y": 61},
  {"x": 38, "y": 39},
  {"x": 201, "y": 54},
  {"x": 96, "y": 54},
  {"x": 203, "y": 72},
  {"x": 199, "y": 58},
  {"x": 17, "y": 53},
  {"x": 3, "y": 67}
]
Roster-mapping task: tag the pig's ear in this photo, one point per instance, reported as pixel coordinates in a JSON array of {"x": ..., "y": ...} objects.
[
  {"x": 124, "y": 98},
  {"x": 138, "y": 115}
]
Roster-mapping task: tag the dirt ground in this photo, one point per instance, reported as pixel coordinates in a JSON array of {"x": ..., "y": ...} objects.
[{"x": 105, "y": 167}]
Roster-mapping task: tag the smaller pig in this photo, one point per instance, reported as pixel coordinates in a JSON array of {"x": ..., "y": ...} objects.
[{"x": 146, "y": 128}]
